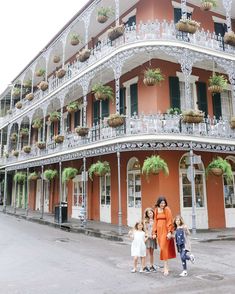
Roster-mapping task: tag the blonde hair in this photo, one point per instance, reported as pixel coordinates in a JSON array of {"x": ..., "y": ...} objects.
[{"x": 146, "y": 217}]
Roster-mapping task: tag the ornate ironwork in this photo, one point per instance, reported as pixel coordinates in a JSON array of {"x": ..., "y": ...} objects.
[{"x": 228, "y": 6}]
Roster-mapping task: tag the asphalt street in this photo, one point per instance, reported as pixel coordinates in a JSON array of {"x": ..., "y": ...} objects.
[{"x": 41, "y": 259}]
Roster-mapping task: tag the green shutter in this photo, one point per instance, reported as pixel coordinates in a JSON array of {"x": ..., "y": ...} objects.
[
  {"x": 96, "y": 112},
  {"x": 216, "y": 101},
  {"x": 134, "y": 99},
  {"x": 177, "y": 14},
  {"x": 77, "y": 118},
  {"x": 68, "y": 122},
  {"x": 52, "y": 130},
  {"x": 202, "y": 97},
  {"x": 105, "y": 108},
  {"x": 174, "y": 92},
  {"x": 122, "y": 101},
  {"x": 59, "y": 126}
]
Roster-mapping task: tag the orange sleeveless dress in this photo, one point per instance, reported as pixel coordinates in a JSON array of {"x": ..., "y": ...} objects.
[{"x": 162, "y": 225}]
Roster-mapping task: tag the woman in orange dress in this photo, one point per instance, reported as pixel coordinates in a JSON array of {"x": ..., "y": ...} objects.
[{"x": 163, "y": 229}]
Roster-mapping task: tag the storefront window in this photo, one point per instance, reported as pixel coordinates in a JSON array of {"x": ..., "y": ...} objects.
[
  {"x": 134, "y": 184},
  {"x": 105, "y": 186},
  {"x": 229, "y": 197}
]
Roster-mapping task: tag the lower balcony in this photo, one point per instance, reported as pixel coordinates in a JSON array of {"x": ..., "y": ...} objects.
[{"x": 169, "y": 126}]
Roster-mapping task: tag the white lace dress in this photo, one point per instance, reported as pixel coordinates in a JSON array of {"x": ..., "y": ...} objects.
[{"x": 138, "y": 247}]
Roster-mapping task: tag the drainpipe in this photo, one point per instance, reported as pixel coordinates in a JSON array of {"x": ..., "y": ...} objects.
[{"x": 192, "y": 190}]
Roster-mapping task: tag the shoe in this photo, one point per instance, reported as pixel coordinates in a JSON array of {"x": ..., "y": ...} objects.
[
  {"x": 133, "y": 270},
  {"x": 184, "y": 274},
  {"x": 192, "y": 258},
  {"x": 153, "y": 269},
  {"x": 141, "y": 270},
  {"x": 146, "y": 269}
]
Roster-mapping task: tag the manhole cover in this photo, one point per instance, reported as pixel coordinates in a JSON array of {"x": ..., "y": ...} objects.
[
  {"x": 211, "y": 277},
  {"x": 62, "y": 240}
]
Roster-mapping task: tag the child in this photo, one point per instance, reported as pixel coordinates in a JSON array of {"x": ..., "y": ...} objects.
[
  {"x": 151, "y": 243},
  {"x": 138, "y": 247},
  {"x": 183, "y": 243}
]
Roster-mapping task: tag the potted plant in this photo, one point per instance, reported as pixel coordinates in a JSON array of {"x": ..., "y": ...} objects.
[
  {"x": 59, "y": 139},
  {"x": 115, "y": 32},
  {"x": 115, "y": 120},
  {"x": 219, "y": 166},
  {"x": 153, "y": 165},
  {"x": 232, "y": 122},
  {"x": 37, "y": 123},
  {"x": 153, "y": 76},
  {"x": 192, "y": 116},
  {"x": 33, "y": 176},
  {"x": 74, "y": 39},
  {"x": 20, "y": 177},
  {"x": 82, "y": 131},
  {"x": 15, "y": 153},
  {"x": 56, "y": 58},
  {"x": 187, "y": 25},
  {"x": 49, "y": 174},
  {"x": 102, "y": 92},
  {"x": 72, "y": 106},
  {"x": 99, "y": 169},
  {"x": 28, "y": 84},
  {"x": 173, "y": 111},
  {"x": 69, "y": 173},
  {"x": 229, "y": 38},
  {"x": 29, "y": 96},
  {"x": 54, "y": 116},
  {"x": 43, "y": 85},
  {"x": 16, "y": 92},
  {"x": 83, "y": 55},
  {"x": 60, "y": 73},
  {"x": 6, "y": 154},
  {"x": 40, "y": 72},
  {"x": 104, "y": 13},
  {"x": 217, "y": 83},
  {"x": 207, "y": 5},
  {"x": 27, "y": 149},
  {"x": 41, "y": 145},
  {"x": 24, "y": 132},
  {"x": 14, "y": 137},
  {"x": 18, "y": 105}
]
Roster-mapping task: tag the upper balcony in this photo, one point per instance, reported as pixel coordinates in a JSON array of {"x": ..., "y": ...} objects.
[
  {"x": 152, "y": 33},
  {"x": 144, "y": 128}
]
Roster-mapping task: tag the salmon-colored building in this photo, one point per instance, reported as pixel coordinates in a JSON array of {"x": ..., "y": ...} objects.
[{"x": 53, "y": 117}]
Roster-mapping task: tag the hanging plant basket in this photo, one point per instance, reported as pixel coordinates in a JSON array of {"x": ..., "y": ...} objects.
[
  {"x": 74, "y": 39},
  {"x": 14, "y": 137},
  {"x": 102, "y": 18},
  {"x": 72, "y": 107},
  {"x": 187, "y": 26},
  {"x": 24, "y": 132},
  {"x": 218, "y": 167},
  {"x": 27, "y": 149},
  {"x": 60, "y": 73},
  {"x": 33, "y": 176},
  {"x": 56, "y": 59},
  {"x": 99, "y": 169},
  {"x": 29, "y": 96},
  {"x": 16, "y": 93},
  {"x": 153, "y": 76},
  {"x": 102, "y": 92},
  {"x": 192, "y": 116},
  {"x": 82, "y": 131},
  {"x": 116, "y": 32},
  {"x": 15, "y": 153},
  {"x": 19, "y": 105},
  {"x": 232, "y": 123},
  {"x": 41, "y": 145},
  {"x": 115, "y": 120},
  {"x": 54, "y": 116},
  {"x": 69, "y": 173},
  {"x": 206, "y": 6},
  {"x": 216, "y": 171},
  {"x": 40, "y": 72},
  {"x": 37, "y": 123},
  {"x": 153, "y": 165},
  {"x": 83, "y": 55},
  {"x": 50, "y": 174},
  {"x": 59, "y": 139},
  {"x": 229, "y": 38},
  {"x": 215, "y": 89},
  {"x": 43, "y": 85}
]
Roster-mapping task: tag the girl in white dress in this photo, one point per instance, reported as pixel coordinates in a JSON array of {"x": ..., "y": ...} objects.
[{"x": 138, "y": 247}]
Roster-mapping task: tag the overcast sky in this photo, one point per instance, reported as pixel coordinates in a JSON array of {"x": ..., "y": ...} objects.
[{"x": 26, "y": 26}]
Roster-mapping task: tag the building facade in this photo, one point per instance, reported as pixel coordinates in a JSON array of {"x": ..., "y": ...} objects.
[{"x": 41, "y": 126}]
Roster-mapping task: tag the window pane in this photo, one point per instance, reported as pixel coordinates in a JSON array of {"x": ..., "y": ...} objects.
[{"x": 229, "y": 198}]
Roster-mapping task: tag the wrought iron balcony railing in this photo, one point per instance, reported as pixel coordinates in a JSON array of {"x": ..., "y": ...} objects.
[{"x": 159, "y": 124}]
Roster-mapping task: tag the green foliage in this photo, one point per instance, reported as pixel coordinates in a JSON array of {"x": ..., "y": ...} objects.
[
  {"x": 68, "y": 174},
  {"x": 32, "y": 176},
  {"x": 24, "y": 132},
  {"x": 105, "y": 11},
  {"x": 37, "y": 123},
  {"x": 218, "y": 80},
  {"x": 16, "y": 92},
  {"x": 40, "y": 72},
  {"x": 55, "y": 115},
  {"x": 106, "y": 91},
  {"x": 20, "y": 177},
  {"x": 99, "y": 168},
  {"x": 154, "y": 164},
  {"x": 49, "y": 174},
  {"x": 174, "y": 110},
  {"x": 213, "y": 2},
  {"x": 28, "y": 83},
  {"x": 75, "y": 37},
  {"x": 223, "y": 164},
  {"x": 154, "y": 73},
  {"x": 73, "y": 105}
]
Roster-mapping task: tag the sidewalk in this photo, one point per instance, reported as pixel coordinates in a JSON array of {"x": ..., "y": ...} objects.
[{"x": 108, "y": 231}]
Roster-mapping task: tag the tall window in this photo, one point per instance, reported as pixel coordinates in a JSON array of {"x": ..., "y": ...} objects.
[
  {"x": 229, "y": 187},
  {"x": 134, "y": 183},
  {"x": 105, "y": 190}
]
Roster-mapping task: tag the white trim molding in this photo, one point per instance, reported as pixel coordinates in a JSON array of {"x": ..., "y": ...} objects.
[{"x": 178, "y": 5}]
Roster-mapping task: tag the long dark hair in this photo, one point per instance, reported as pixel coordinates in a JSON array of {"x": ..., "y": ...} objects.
[{"x": 160, "y": 199}]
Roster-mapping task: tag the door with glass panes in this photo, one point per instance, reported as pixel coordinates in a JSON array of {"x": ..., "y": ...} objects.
[
  {"x": 134, "y": 199},
  {"x": 229, "y": 197},
  {"x": 200, "y": 195},
  {"x": 46, "y": 195},
  {"x": 105, "y": 198},
  {"x": 77, "y": 196}
]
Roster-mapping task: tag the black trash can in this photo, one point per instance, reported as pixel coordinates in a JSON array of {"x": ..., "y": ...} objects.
[{"x": 64, "y": 212}]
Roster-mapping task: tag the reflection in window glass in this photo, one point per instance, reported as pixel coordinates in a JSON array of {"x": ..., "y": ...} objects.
[
  {"x": 229, "y": 198},
  {"x": 187, "y": 195},
  {"x": 105, "y": 190}
]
